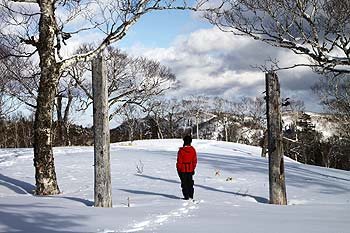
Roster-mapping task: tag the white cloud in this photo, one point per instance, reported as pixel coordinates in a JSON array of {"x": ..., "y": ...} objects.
[
  {"x": 214, "y": 63},
  {"x": 208, "y": 40}
]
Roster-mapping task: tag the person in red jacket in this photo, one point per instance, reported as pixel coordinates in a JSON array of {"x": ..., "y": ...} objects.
[{"x": 186, "y": 165}]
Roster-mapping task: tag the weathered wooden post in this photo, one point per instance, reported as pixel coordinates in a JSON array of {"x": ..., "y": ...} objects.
[
  {"x": 102, "y": 184},
  {"x": 277, "y": 186}
]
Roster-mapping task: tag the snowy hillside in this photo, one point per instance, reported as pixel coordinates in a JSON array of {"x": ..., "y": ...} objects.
[
  {"x": 322, "y": 122},
  {"x": 231, "y": 185},
  {"x": 213, "y": 128}
]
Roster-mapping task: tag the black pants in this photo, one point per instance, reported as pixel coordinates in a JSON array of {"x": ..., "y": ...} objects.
[{"x": 187, "y": 184}]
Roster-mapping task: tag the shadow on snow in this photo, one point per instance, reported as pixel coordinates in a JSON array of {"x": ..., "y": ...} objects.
[
  {"x": 34, "y": 219},
  {"x": 21, "y": 187},
  {"x": 150, "y": 193},
  {"x": 258, "y": 199},
  {"x": 18, "y": 186}
]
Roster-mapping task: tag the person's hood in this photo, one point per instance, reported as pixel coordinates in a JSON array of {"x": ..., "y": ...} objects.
[{"x": 187, "y": 149}]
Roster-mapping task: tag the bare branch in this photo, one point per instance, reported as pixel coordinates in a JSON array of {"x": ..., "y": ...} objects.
[{"x": 317, "y": 29}]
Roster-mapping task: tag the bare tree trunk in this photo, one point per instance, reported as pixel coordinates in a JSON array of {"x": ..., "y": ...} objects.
[
  {"x": 5, "y": 134},
  {"x": 103, "y": 187},
  {"x": 170, "y": 127},
  {"x": 140, "y": 131},
  {"x": 159, "y": 130},
  {"x": 45, "y": 175},
  {"x": 264, "y": 144},
  {"x": 46, "y": 181},
  {"x": 131, "y": 131},
  {"x": 59, "y": 126},
  {"x": 160, "y": 134},
  {"x": 226, "y": 129},
  {"x": 16, "y": 143},
  {"x": 197, "y": 125},
  {"x": 66, "y": 124},
  {"x": 62, "y": 127},
  {"x": 130, "y": 123},
  {"x": 277, "y": 184}
]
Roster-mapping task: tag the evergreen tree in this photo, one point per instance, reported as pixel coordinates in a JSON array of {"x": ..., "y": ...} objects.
[{"x": 309, "y": 140}]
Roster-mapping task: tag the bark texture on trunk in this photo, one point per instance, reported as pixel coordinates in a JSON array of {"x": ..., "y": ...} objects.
[
  {"x": 103, "y": 187},
  {"x": 62, "y": 124},
  {"x": 277, "y": 186},
  {"x": 45, "y": 175}
]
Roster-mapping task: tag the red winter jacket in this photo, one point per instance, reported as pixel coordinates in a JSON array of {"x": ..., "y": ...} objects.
[{"x": 186, "y": 159}]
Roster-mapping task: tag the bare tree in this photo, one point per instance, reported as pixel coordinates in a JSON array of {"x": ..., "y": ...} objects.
[
  {"x": 248, "y": 116},
  {"x": 157, "y": 110},
  {"x": 19, "y": 77},
  {"x": 136, "y": 80},
  {"x": 64, "y": 92},
  {"x": 168, "y": 114},
  {"x": 131, "y": 80},
  {"x": 69, "y": 97},
  {"x": 7, "y": 103},
  {"x": 221, "y": 109},
  {"x": 174, "y": 116},
  {"x": 293, "y": 104},
  {"x": 44, "y": 27},
  {"x": 16, "y": 131},
  {"x": 334, "y": 92},
  {"x": 130, "y": 115},
  {"x": 196, "y": 106},
  {"x": 254, "y": 109},
  {"x": 22, "y": 83},
  {"x": 317, "y": 29}
]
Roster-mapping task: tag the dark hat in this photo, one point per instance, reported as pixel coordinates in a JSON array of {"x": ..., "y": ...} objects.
[{"x": 187, "y": 140}]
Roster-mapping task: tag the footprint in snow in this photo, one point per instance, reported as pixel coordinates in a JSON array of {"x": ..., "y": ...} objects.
[{"x": 159, "y": 220}]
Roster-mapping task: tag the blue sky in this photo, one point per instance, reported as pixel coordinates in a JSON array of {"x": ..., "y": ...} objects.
[
  {"x": 213, "y": 63},
  {"x": 159, "y": 28}
]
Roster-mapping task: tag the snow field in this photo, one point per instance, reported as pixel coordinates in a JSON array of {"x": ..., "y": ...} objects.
[{"x": 231, "y": 183}]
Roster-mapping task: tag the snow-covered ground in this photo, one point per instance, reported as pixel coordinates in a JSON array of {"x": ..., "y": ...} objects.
[{"x": 231, "y": 185}]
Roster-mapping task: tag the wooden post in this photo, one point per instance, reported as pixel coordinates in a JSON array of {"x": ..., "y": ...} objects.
[
  {"x": 277, "y": 186},
  {"x": 102, "y": 185}
]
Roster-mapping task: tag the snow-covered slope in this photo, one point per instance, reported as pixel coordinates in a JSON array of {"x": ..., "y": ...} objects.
[
  {"x": 231, "y": 185},
  {"x": 323, "y": 123}
]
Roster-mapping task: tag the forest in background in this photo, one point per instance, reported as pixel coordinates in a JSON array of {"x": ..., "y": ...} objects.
[
  {"x": 308, "y": 137},
  {"x": 136, "y": 98}
]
